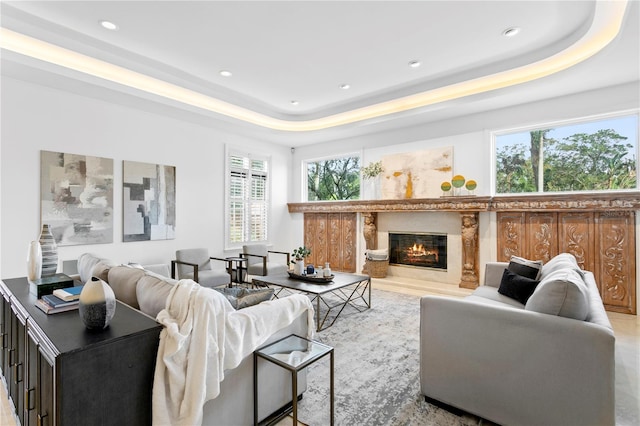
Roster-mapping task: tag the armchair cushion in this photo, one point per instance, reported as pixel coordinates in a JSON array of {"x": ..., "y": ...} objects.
[
  {"x": 563, "y": 293},
  {"x": 516, "y": 286},
  {"x": 245, "y": 297}
]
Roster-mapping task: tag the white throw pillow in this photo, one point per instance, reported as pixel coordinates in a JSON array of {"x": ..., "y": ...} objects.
[
  {"x": 381, "y": 254},
  {"x": 562, "y": 293}
]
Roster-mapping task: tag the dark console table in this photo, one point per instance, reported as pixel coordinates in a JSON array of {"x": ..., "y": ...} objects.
[{"x": 59, "y": 373}]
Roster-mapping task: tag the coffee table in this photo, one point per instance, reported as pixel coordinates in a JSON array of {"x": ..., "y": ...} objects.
[{"x": 345, "y": 289}]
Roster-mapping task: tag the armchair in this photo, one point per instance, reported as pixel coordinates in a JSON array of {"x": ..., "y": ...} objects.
[
  {"x": 258, "y": 260},
  {"x": 195, "y": 264}
]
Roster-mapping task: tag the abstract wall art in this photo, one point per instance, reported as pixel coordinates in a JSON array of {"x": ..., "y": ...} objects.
[
  {"x": 76, "y": 193},
  {"x": 149, "y": 201},
  {"x": 416, "y": 174}
]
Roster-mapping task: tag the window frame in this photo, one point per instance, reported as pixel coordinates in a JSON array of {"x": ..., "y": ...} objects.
[
  {"x": 561, "y": 123},
  {"x": 233, "y": 245},
  {"x": 305, "y": 173}
]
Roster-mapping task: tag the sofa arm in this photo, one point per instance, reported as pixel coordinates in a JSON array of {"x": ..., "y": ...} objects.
[
  {"x": 493, "y": 273},
  {"x": 513, "y": 366}
]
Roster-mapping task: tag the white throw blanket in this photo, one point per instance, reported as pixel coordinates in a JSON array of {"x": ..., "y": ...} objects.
[{"x": 202, "y": 337}]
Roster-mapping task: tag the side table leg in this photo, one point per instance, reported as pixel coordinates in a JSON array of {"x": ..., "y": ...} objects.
[
  {"x": 294, "y": 390},
  {"x": 331, "y": 399},
  {"x": 255, "y": 390}
]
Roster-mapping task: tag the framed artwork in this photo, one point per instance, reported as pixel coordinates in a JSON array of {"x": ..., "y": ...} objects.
[
  {"x": 76, "y": 193},
  {"x": 416, "y": 174},
  {"x": 148, "y": 201}
]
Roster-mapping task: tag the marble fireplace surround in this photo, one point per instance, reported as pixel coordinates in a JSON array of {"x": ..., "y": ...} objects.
[{"x": 460, "y": 217}]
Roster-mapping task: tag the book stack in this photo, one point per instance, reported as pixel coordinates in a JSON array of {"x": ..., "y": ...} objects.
[{"x": 62, "y": 300}]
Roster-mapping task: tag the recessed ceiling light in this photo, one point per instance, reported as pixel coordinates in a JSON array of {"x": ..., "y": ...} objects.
[
  {"x": 510, "y": 32},
  {"x": 294, "y": 102},
  {"x": 109, "y": 25},
  {"x": 414, "y": 64},
  {"x": 344, "y": 86},
  {"x": 226, "y": 73}
]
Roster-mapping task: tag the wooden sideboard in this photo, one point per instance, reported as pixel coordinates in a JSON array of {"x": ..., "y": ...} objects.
[
  {"x": 331, "y": 238},
  {"x": 59, "y": 373},
  {"x": 599, "y": 229},
  {"x": 602, "y": 242}
]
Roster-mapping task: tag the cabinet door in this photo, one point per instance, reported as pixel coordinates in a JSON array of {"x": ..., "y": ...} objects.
[
  {"x": 616, "y": 266},
  {"x": 17, "y": 360},
  {"x": 542, "y": 235},
  {"x": 38, "y": 399},
  {"x": 511, "y": 234},
  {"x": 577, "y": 237},
  {"x": 5, "y": 318}
]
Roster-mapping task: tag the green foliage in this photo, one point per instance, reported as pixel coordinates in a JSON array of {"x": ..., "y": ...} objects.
[
  {"x": 581, "y": 162},
  {"x": 372, "y": 170},
  {"x": 335, "y": 179},
  {"x": 300, "y": 253}
]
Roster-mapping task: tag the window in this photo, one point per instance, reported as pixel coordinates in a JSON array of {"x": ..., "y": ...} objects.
[
  {"x": 248, "y": 199},
  {"x": 333, "y": 179},
  {"x": 596, "y": 155}
]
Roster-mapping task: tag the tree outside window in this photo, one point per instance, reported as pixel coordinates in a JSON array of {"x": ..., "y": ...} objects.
[
  {"x": 334, "y": 179},
  {"x": 589, "y": 156}
]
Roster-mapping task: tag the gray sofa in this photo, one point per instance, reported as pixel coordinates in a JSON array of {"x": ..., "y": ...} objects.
[
  {"x": 510, "y": 363},
  {"x": 147, "y": 291}
]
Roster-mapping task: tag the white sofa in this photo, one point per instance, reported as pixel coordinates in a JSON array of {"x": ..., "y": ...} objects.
[
  {"x": 495, "y": 357},
  {"x": 147, "y": 292}
]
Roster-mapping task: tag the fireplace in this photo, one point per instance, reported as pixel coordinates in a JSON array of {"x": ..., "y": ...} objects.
[{"x": 423, "y": 250}]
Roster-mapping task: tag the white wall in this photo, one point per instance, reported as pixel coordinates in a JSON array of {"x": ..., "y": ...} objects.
[{"x": 38, "y": 118}]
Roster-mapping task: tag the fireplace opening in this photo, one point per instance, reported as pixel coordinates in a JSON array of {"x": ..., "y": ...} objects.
[{"x": 423, "y": 250}]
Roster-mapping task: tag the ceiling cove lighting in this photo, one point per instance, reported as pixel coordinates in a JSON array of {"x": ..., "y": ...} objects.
[
  {"x": 605, "y": 26},
  {"x": 109, "y": 25}
]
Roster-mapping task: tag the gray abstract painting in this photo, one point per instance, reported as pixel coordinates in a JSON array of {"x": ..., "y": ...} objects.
[
  {"x": 76, "y": 194},
  {"x": 149, "y": 201}
]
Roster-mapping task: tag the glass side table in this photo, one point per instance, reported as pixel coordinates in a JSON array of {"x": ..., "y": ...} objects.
[{"x": 292, "y": 353}]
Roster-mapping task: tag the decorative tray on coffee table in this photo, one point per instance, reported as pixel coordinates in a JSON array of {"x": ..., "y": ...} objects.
[{"x": 312, "y": 278}]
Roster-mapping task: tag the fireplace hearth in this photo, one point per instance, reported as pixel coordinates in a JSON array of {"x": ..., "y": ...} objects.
[{"x": 421, "y": 250}]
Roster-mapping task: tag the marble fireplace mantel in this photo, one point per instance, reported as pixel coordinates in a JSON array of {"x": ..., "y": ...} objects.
[{"x": 469, "y": 208}]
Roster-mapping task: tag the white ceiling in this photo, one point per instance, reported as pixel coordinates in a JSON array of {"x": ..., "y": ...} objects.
[{"x": 304, "y": 50}]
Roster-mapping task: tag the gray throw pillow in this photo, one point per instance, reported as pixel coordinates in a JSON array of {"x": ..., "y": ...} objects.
[
  {"x": 562, "y": 293},
  {"x": 245, "y": 297},
  {"x": 559, "y": 262}
]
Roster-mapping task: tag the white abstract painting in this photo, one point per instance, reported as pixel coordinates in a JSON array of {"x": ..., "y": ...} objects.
[
  {"x": 77, "y": 197},
  {"x": 149, "y": 201},
  {"x": 416, "y": 174}
]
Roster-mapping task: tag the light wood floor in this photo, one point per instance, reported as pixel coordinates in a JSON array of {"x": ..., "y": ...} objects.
[{"x": 626, "y": 328}]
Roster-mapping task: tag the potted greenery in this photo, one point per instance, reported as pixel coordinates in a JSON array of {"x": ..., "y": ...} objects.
[
  {"x": 371, "y": 173},
  {"x": 299, "y": 255}
]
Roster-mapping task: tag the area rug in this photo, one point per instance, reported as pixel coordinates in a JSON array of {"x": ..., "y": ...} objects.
[{"x": 376, "y": 369}]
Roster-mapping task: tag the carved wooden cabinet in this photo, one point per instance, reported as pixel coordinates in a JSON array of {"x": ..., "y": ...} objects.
[
  {"x": 332, "y": 238},
  {"x": 602, "y": 242},
  {"x": 59, "y": 373}
]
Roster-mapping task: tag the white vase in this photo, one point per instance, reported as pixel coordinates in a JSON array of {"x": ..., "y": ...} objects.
[
  {"x": 298, "y": 267},
  {"x": 97, "y": 304},
  {"x": 34, "y": 261}
]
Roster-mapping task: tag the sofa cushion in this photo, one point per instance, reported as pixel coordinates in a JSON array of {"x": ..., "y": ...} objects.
[
  {"x": 123, "y": 280},
  {"x": 516, "y": 286},
  {"x": 152, "y": 292},
  {"x": 559, "y": 262},
  {"x": 245, "y": 297},
  {"x": 562, "y": 293},
  {"x": 488, "y": 295},
  {"x": 524, "y": 267},
  {"x": 101, "y": 270}
]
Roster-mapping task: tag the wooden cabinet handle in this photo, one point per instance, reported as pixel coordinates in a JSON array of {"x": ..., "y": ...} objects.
[
  {"x": 41, "y": 418},
  {"x": 15, "y": 373},
  {"x": 27, "y": 399}
]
